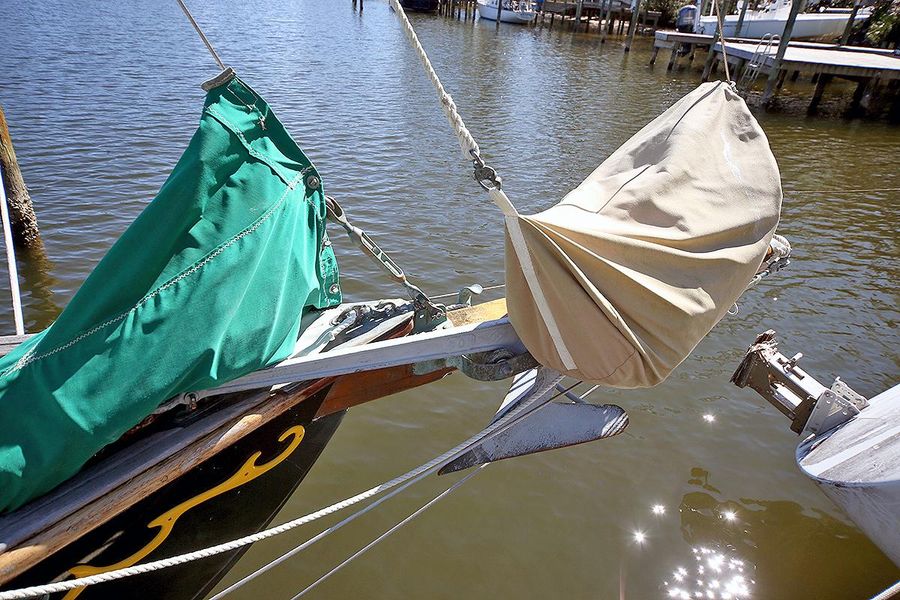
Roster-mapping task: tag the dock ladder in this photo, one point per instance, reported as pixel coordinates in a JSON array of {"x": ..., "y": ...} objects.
[{"x": 757, "y": 61}]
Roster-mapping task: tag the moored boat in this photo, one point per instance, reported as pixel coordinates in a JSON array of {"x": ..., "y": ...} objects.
[
  {"x": 204, "y": 401},
  {"x": 512, "y": 11},
  {"x": 772, "y": 18},
  {"x": 851, "y": 444},
  {"x": 420, "y": 5}
]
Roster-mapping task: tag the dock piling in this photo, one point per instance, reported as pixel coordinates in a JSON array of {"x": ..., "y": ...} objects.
[
  {"x": 849, "y": 28},
  {"x": 775, "y": 71},
  {"x": 824, "y": 78},
  {"x": 632, "y": 27},
  {"x": 22, "y": 218}
]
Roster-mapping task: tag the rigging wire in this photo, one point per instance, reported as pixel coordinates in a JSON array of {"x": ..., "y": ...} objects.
[
  {"x": 529, "y": 406},
  {"x": 381, "y": 537},
  {"x": 199, "y": 31},
  {"x": 483, "y": 289},
  {"x": 274, "y": 563},
  {"x": 11, "y": 261}
]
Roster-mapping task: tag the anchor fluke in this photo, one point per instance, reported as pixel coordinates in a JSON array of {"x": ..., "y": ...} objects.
[{"x": 549, "y": 426}]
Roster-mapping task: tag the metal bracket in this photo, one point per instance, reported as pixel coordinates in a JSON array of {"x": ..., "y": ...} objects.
[
  {"x": 486, "y": 176},
  {"x": 428, "y": 314},
  {"x": 811, "y": 406},
  {"x": 492, "y": 365},
  {"x": 466, "y": 294}
]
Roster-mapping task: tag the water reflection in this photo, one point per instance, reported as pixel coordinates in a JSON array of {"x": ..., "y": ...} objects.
[
  {"x": 37, "y": 282},
  {"x": 736, "y": 543},
  {"x": 717, "y": 575}
]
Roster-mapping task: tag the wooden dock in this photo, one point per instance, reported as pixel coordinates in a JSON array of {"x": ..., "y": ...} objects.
[
  {"x": 869, "y": 68},
  {"x": 611, "y": 17}
]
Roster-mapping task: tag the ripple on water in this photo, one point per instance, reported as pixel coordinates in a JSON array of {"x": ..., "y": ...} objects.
[{"x": 103, "y": 97}]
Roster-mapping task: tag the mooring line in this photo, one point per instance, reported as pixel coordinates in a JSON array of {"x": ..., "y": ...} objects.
[{"x": 431, "y": 466}]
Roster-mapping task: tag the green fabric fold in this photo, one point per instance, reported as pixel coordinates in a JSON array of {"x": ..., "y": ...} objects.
[{"x": 208, "y": 284}]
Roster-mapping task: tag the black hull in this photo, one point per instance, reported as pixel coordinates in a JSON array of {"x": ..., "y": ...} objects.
[
  {"x": 420, "y": 5},
  {"x": 226, "y": 497}
]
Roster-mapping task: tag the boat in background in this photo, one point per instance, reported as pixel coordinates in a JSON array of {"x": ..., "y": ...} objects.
[
  {"x": 420, "y": 5},
  {"x": 771, "y": 20},
  {"x": 513, "y": 11},
  {"x": 851, "y": 444}
]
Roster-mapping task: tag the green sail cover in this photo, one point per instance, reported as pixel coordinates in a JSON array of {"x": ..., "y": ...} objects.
[{"x": 209, "y": 283}]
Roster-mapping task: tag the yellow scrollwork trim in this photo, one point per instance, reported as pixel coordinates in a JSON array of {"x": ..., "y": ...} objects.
[{"x": 166, "y": 521}]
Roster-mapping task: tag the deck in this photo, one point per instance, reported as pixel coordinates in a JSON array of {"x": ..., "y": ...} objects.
[{"x": 871, "y": 68}]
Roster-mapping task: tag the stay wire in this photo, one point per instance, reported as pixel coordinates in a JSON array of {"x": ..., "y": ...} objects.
[
  {"x": 381, "y": 537},
  {"x": 526, "y": 408},
  {"x": 435, "y": 466},
  {"x": 199, "y": 31}
]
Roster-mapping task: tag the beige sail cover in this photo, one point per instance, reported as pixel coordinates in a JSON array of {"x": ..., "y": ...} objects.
[{"x": 621, "y": 280}]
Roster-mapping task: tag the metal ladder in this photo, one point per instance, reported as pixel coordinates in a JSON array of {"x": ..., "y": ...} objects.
[{"x": 757, "y": 61}]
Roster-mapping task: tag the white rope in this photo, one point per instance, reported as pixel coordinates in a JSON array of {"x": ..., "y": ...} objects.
[
  {"x": 717, "y": 6},
  {"x": 430, "y": 466},
  {"x": 888, "y": 593},
  {"x": 293, "y": 551},
  {"x": 467, "y": 143}
]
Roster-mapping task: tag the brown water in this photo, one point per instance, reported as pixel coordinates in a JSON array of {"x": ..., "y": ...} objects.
[{"x": 103, "y": 97}]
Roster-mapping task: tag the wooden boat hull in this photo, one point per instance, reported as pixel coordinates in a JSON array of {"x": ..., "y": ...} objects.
[
  {"x": 237, "y": 492},
  {"x": 210, "y": 475}
]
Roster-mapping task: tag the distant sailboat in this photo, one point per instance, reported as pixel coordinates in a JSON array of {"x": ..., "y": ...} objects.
[{"x": 513, "y": 11}]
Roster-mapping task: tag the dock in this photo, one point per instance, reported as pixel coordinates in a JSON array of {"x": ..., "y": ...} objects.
[{"x": 872, "y": 69}]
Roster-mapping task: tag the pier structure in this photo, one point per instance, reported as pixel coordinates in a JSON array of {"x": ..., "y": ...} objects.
[
  {"x": 611, "y": 17},
  {"x": 872, "y": 69}
]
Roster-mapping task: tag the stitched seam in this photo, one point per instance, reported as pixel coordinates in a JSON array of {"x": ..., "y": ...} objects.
[{"x": 30, "y": 357}]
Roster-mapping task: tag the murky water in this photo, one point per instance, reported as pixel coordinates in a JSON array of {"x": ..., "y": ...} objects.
[{"x": 103, "y": 97}]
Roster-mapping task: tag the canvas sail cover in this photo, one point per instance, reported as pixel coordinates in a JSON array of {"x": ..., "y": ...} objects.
[
  {"x": 621, "y": 280},
  {"x": 208, "y": 284}
]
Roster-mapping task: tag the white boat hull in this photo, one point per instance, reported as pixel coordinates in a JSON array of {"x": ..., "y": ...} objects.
[
  {"x": 489, "y": 11},
  {"x": 807, "y": 25},
  {"x": 858, "y": 467}
]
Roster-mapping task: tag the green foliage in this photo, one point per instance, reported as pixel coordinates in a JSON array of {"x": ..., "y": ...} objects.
[
  {"x": 884, "y": 28},
  {"x": 668, "y": 8}
]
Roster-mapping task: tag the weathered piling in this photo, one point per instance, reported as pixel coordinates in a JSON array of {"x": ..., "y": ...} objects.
[
  {"x": 772, "y": 82},
  {"x": 632, "y": 27},
  {"x": 21, "y": 212}
]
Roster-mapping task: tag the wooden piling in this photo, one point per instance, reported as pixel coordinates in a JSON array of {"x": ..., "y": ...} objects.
[
  {"x": 824, "y": 78},
  {"x": 635, "y": 14},
  {"x": 21, "y": 212},
  {"x": 849, "y": 29},
  {"x": 676, "y": 48},
  {"x": 605, "y": 26},
  {"x": 858, "y": 94},
  {"x": 774, "y": 73}
]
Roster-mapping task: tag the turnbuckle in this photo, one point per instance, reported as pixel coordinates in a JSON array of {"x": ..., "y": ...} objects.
[{"x": 486, "y": 176}]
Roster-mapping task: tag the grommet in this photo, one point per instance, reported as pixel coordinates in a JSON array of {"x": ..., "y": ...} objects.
[
  {"x": 326, "y": 242},
  {"x": 334, "y": 289},
  {"x": 312, "y": 182}
]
